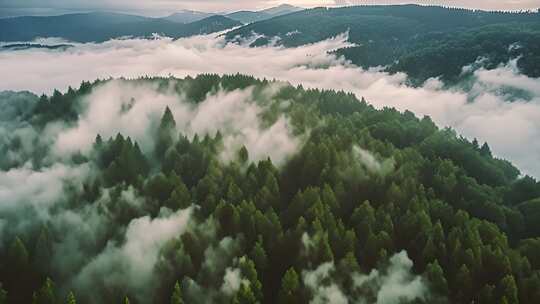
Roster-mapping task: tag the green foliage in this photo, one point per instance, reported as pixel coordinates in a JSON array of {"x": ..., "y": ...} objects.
[
  {"x": 121, "y": 160},
  {"x": 176, "y": 297},
  {"x": 71, "y": 298},
  {"x": 259, "y": 256},
  {"x": 243, "y": 155},
  {"x": 509, "y": 290},
  {"x": 166, "y": 133},
  {"x": 18, "y": 255},
  {"x": 531, "y": 217},
  {"x": 467, "y": 220},
  {"x": 253, "y": 291},
  {"x": 290, "y": 286},
  {"x": 244, "y": 296},
  {"x": 436, "y": 277},
  {"x": 46, "y": 294},
  {"x": 530, "y": 248}
]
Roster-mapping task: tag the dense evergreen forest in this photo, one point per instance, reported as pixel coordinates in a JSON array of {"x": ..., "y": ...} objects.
[
  {"x": 422, "y": 41},
  {"x": 371, "y": 198}
]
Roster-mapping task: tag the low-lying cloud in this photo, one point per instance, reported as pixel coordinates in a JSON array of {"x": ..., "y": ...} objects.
[
  {"x": 135, "y": 109},
  {"x": 392, "y": 284},
  {"x": 371, "y": 163},
  {"x": 35, "y": 192},
  {"x": 396, "y": 283},
  {"x": 483, "y": 112},
  {"x": 232, "y": 281},
  {"x": 132, "y": 263}
]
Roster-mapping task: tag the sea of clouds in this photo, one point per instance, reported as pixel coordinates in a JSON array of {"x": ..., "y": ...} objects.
[{"x": 483, "y": 111}]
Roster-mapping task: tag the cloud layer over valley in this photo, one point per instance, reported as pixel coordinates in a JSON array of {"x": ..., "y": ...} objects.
[{"x": 488, "y": 109}]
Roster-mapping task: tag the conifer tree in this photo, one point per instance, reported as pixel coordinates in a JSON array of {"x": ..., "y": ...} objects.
[
  {"x": 18, "y": 255},
  {"x": 435, "y": 276},
  {"x": 290, "y": 285},
  {"x": 46, "y": 294},
  {"x": 176, "y": 297},
  {"x": 71, "y": 298},
  {"x": 166, "y": 133},
  {"x": 244, "y": 295}
]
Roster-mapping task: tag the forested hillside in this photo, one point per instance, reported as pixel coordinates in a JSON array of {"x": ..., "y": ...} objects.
[
  {"x": 422, "y": 41},
  {"x": 99, "y": 27},
  {"x": 253, "y": 16},
  {"x": 370, "y": 200}
]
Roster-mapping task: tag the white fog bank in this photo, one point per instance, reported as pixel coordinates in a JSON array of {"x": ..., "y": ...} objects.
[{"x": 511, "y": 128}]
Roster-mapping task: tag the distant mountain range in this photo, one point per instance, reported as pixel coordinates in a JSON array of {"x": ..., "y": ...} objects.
[
  {"x": 251, "y": 16},
  {"x": 102, "y": 26},
  {"x": 97, "y": 27},
  {"x": 422, "y": 41},
  {"x": 186, "y": 16}
]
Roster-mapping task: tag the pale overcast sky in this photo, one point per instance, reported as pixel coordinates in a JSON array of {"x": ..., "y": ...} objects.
[{"x": 157, "y": 7}]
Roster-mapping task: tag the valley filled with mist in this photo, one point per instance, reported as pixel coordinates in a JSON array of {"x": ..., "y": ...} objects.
[{"x": 364, "y": 154}]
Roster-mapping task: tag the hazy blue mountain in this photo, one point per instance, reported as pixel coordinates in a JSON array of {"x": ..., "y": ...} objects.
[
  {"x": 282, "y": 10},
  {"x": 208, "y": 25},
  {"x": 188, "y": 16},
  {"x": 248, "y": 16},
  {"x": 403, "y": 36},
  {"x": 103, "y": 26},
  {"x": 254, "y": 16}
]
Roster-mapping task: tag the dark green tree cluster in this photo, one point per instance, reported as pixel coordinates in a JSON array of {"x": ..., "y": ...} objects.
[
  {"x": 467, "y": 220},
  {"x": 120, "y": 160}
]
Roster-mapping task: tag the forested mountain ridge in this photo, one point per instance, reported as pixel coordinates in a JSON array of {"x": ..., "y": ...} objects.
[
  {"x": 102, "y": 26},
  {"x": 398, "y": 36},
  {"x": 253, "y": 16},
  {"x": 366, "y": 189},
  {"x": 187, "y": 16},
  {"x": 99, "y": 27}
]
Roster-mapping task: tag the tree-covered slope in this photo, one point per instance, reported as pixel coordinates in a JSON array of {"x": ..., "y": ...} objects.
[
  {"x": 400, "y": 36},
  {"x": 98, "y": 27},
  {"x": 248, "y": 16},
  {"x": 440, "y": 218},
  {"x": 254, "y": 16},
  {"x": 187, "y": 16}
]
